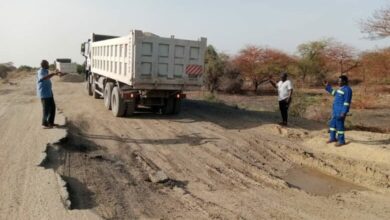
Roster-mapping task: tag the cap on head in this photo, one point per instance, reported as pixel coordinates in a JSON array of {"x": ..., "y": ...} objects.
[{"x": 344, "y": 79}]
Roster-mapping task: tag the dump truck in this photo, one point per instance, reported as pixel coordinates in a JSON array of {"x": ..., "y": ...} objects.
[
  {"x": 142, "y": 70},
  {"x": 65, "y": 65}
]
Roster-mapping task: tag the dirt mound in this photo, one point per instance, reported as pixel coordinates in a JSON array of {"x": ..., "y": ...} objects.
[{"x": 72, "y": 78}]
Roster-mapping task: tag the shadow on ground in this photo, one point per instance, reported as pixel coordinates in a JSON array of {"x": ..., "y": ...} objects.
[{"x": 226, "y": 116}]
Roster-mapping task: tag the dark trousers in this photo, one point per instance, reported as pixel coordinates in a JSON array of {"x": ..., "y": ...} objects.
[
  {"x": 49, "y": 111},
  {"x": 283, "y": 106}
]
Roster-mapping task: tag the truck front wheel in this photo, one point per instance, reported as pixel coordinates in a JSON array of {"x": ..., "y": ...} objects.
[
  {"x": 95, "y": 94},
  {"x": 107, "y": 95},
  {"x": 118, "y": 106},
  {"x": 88, "y": 86}
]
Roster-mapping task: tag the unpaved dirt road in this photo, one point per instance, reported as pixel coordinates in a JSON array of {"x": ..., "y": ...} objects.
[
  {"x": 27, "y": 190},
  {"x": 210, "y": 162}
]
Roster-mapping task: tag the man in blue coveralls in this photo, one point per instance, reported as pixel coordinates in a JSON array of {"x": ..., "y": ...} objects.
[
  {"x": 45, "y": 93},
  {"x": 341, "y": 105}
]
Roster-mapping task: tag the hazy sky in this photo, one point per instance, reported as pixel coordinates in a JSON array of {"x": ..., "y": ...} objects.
[{"x": 32, "y": 30}]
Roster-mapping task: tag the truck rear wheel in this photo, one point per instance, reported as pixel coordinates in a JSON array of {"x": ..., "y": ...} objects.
[
  {"x": 88, "y": 87},
  {"x": 167, "y": 109},
  {"x": 177, "y": 108},
  {"x": 118, "y": 106},
  {"x": 130, "y": 108},
  {"x": 107, "y": 95},
  {"x": 94, "y": 87}
]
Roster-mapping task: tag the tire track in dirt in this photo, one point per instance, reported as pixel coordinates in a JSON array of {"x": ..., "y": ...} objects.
[{"x": 219, "y": 165}]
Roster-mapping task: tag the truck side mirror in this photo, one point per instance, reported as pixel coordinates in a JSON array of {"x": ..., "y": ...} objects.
[{"x": 83, "y": 48}]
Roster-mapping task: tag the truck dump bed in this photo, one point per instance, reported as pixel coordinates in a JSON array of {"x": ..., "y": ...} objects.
[
  {"x": 65, "y": 65},
  {"x": 146, "y": 61}
]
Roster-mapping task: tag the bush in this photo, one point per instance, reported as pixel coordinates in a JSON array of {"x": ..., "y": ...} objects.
[
  {"x": 211, "y": 97},
  {"x": 52, "y": 67},
  {"x": 25, "y": 68},
  {"x": 5, "y": 69},
  {"x": 364, "y": 101},
  {"x": 301, "y": 102}
]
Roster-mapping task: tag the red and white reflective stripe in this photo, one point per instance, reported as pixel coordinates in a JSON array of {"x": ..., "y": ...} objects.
[{"x": 194, "y": 69}]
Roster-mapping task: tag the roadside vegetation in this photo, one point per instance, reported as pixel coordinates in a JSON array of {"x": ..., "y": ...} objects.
[{"x": 248, "y": 71}]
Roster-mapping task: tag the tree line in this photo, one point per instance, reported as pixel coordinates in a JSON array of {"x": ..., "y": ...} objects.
[{"x": 313, "y": 62}]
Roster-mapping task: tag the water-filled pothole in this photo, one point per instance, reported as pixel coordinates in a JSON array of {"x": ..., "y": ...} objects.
[{"x": 317, "y": 183}]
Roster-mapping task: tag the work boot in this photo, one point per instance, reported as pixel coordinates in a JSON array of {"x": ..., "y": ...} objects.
[
  {"x": 338, "y": 144},
  {"x": 331, "y": 141},
  {"x": 283, "y": 123}
]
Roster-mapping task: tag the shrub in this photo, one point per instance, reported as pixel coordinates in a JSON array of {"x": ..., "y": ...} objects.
[
  {"x": 5, "y": 69},
  {"x": 25, "y": 68},
  {"x": 301, "y": 102}
]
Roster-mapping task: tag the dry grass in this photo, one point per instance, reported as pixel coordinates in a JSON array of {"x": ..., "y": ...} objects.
[{"x": 19, "y": 74}]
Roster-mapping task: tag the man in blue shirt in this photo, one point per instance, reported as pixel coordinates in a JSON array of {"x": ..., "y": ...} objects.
[
  {"x": 341, "y": 105},
  {"x": 45, "y": 93}
]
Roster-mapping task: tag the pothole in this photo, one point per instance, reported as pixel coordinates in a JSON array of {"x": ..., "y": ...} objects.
[
  {"x": 317, "y": 183},
  {"x": 78, "y": 195}
]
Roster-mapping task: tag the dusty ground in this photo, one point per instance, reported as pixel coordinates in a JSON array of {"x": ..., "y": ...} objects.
[
  {"x": 316, "y": 105},
  {"x": 27, "y": 190},
  {"x": 220, "y": 162}
]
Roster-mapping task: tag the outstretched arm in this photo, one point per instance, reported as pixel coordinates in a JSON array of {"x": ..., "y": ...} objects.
[
  {"x": 273, "y": 83},
  {"x": 48, "y": 76},
  {"x": 329, "y": 88}
]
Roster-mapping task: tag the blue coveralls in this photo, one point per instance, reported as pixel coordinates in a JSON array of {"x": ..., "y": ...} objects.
[{"x": 341, "y": 105}]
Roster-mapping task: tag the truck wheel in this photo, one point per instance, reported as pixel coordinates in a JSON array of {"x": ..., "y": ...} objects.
[
  {"x": 118, "y": 106},
  {"x": 167, "y": 109},
  {"x": 130, "y": 108},
  {"x": 94, "y": 87},
  {"x": 88, "y": 87},
  {"x": 177, "y": 108},
  {"x": 107, "y": 95},
  {"x": 155, "y": 109}
]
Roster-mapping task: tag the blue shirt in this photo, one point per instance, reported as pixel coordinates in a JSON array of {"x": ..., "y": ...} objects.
[
  {"x": 342, "y": 100},
  {"x": 43, "y": 86}
]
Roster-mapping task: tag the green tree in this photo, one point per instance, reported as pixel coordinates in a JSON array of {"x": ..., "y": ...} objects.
[
  {"x": 312, "y": 60},
  {"x": 214, "y": 69},
  {"x": 80, "y": 68},
  {"x": 52, "y": 67}
]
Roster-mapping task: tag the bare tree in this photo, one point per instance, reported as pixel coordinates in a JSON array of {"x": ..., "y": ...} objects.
[
  {"x": 377, "y": 26},
  {"x": 341, "y": 57}
]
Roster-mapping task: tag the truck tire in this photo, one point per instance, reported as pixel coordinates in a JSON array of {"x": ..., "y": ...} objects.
[
  {"x": 94, "y": 87},
  {"x": 118, "y": 106},
  {"x": 177, "y": 107},
  {"x": 167, "y": 109},
  {"x": 107, "y": 95},
  {"x": 88, "y": 87},
  {"x": 155, "y": 109},
  {"x": 130, "y": 108}
]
